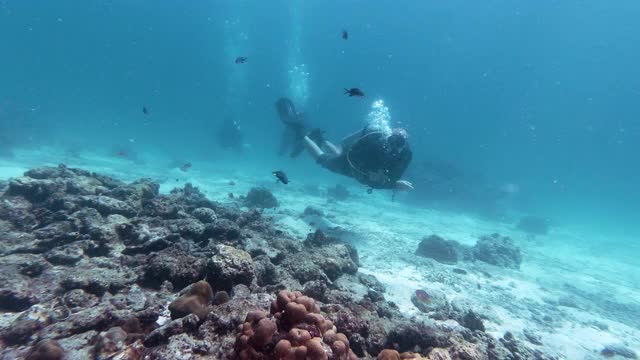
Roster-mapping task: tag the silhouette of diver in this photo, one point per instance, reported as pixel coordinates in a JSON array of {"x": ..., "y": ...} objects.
[
  {"x": 369, "y": 156},
  {"x": 295, "y": 127}
]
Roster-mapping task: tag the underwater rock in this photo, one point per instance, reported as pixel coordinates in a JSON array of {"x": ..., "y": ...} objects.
[
  {"x": 534, "y": 225},
  {"x": 338, "y": 192},
  {"x": 194, "y": 301},
  {"x": 439, "y": 249},
  {"x": 221, "y": 297},
  {"x": 97, "y": 276},
  {"x": 319, "y": 238},
  {"x": 161, "y": 207},
  {"x": 498, "y": 250},
  {"x": 324, "y": 263},
  {"x": 313, "y": 211},
  {"x": 620, "y": 350},
  {"x": 34, "y": 190},
  {"x": 519, "y": 350},
  {"x": 187, "y": 228},
  {"x": 47, "y": 349},
  {"x": 223, "y": 229},
  {"x": 116, "y": 251},
  {"x": 260, "y": 197},
  {"x": 77, "y": 299},
  {"x": 107, "y": 205},
  {"x": 265, "y": 271},
  {"x": 161, "y": 335},
  {"x": 472, "y": 321},
  {"x": 205, "y": 215},
  {"x": 430, "y": 301},
  {"x": 65, "y": 255},
  {"x": 174, "y": 265},
  {"x": 415, "y": 337},
  {"x": 531, "y": 336},
  {"x": 229, "y": 267},
  {"x": 109, "y": 342}
]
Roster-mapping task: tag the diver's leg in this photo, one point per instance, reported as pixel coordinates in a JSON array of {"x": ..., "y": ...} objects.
[{"x": 313, "y": 149}]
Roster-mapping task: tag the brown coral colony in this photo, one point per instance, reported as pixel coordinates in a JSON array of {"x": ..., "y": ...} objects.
[{"x": 296, "y": 330}]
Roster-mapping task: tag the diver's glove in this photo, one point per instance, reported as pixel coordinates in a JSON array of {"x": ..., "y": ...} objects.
[{"x": 317, "y": 136}]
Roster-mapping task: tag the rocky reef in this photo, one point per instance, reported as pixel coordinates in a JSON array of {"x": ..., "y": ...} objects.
[
  {"x": 94, "y": 268},
  {"x": 493, "y": 249}
]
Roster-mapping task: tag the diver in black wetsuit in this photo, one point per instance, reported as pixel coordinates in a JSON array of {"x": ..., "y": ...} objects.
[
  {"x": 368, "y": 156},
  {"x": 295, "y": 127}
]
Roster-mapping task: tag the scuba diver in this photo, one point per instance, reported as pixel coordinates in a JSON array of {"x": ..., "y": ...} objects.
[
  {"x": 229, "y": 135},
  {"x": 295, "y": 127},
  {"x": 370, "y": 156}
]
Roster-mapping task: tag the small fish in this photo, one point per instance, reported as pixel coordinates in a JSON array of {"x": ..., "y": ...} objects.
[
  {"x": 241, "y": 59},
  {"x": 353, "y": 92},
  {"x": 177, "y": 180},
  {"x": 121, "y": 154},
  {"x": 369, "y": 190},
  {"x": 186, "y": 167},
  {"x": 345, "y": 34},
  {"x": 145, "y": 110},
  {"x": 281, "y": 176},
  {"x": 230, "y": 196}
]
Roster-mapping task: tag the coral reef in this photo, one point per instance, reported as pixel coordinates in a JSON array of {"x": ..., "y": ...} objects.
[
  {"x": 439, "y": 249},
  {"x": 193, "y": 301},
  {"x": 296, "y": 330},
  {"x": 493, "y": 249},
  {"x": 90, "y": 268},
  {"x": 260, "y": 197},
  {"x": 498, "y": 250}
]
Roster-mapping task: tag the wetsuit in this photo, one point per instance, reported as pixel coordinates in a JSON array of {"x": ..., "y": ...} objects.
[{"x": 366, "y": 157}]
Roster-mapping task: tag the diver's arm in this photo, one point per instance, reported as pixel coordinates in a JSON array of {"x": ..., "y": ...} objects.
[
  {"x": 313, "y": 149},
  {"x": 332, "y": 148}
]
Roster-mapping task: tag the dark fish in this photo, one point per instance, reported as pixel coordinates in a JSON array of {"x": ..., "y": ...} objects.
[
  {"x": 369, "y": 190},
  {"x": 186, "y": 167},
  {"x": 241, "y": 59},
  {"x": 353, "y": 92},
  {"x": 145, "y": 110},
  {"x": 281, "y": 176},
  {"x": 121, "y": 154},
  {"x": 345, "y": 34}
]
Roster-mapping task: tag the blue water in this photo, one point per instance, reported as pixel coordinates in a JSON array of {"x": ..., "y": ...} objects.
[{"x": 533, "y": 101}]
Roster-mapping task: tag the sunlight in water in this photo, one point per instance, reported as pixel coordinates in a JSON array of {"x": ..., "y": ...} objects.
[
  {"x": 299, "y": 84},
  {"x": 298, "y": 73}
]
